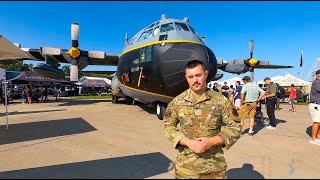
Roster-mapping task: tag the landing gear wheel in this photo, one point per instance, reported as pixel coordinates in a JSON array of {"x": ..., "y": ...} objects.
[
  {"x": 114, "y": 99},
  {"x": 161, "y": 109}
]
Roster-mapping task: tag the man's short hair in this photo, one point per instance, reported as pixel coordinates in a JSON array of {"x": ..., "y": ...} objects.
[
  {"x": 193, "y": 64},
  {"x": 267, "y": 78},
  {"x": 318, "y": 72},
  {"x": 238, "y": 82},
  {"x": 246, "y": 78}
]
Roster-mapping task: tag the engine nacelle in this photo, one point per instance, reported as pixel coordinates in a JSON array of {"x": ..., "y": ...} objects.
[{"x": 235, "y": 68}]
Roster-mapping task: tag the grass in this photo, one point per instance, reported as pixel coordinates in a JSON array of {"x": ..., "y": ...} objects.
[{"x": 91, "y": 97}]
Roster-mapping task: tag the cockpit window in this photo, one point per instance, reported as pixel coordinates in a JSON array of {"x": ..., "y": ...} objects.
[
  {"x": 166, "y": 27},
  {"x": 142, "y": 36},
  {"x": 151, "y": 26},
  {"x": 148, "y": 34},
  {"x": 181, "y": 27}
]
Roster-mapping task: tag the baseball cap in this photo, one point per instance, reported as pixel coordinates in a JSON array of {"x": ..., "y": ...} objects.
[
  {"x": 318, "y": 72},
  {"x": 267, "y": 78},
  {"x": 246, "y": 78}
]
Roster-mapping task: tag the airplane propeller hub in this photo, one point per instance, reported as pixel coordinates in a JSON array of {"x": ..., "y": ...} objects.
[
  {"x": 74, "y": 52},
  {"x": 253, "y": 62}
]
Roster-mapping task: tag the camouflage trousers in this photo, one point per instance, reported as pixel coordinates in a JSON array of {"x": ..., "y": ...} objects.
[{"x": 214, "y": 175}]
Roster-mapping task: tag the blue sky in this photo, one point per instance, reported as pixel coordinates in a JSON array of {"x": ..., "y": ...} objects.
[{"x": 281, "y": 30}]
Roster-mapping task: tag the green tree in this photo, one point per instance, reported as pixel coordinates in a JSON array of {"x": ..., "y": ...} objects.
[
  {"x": 17, "y": 66},
  {"x": 66, "y": 70}
]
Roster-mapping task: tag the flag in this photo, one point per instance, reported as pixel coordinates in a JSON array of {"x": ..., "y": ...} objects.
[{"x": 301, "y": 59}]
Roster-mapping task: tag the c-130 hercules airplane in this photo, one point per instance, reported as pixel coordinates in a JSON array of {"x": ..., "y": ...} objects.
[{"x": 151, "y": 67}]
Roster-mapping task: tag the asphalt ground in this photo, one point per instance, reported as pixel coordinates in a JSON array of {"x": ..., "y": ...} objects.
[{"x": 98, "y": 139}]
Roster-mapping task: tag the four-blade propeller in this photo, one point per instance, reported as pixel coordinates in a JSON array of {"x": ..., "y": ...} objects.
[{"x": 75, "y": 56}]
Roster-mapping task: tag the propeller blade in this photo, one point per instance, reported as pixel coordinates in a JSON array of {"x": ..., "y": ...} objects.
[
  {"x": 74, "y": 73},
  {"x": 50, "y": 51},
  {"x": 251, "y": 46},
  {"x": 238, "y": 61},
  {"x": 272, "y": 66},
  {"x": 96, "y": 54},
  {"x": 75, "y": 34}
]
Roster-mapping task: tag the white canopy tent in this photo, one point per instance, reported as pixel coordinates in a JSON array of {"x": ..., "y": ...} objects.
[
  {"x": 287, "y": 80},
  {"x": 231, "y": 81}
]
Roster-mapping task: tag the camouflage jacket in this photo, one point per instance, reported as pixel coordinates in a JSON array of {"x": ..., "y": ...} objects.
[{"x": 210, "y": 115}]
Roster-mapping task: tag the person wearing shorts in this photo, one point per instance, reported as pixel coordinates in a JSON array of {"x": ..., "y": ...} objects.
[
  {"x": 314, "y": 108},
  {"x": 293, "y": 98},
  {"x": 250, "y": 95}
]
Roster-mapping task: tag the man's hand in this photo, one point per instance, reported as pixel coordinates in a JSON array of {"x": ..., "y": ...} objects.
[
  {"x": 205, "y": 142},
  {"x": 194, "y": 145},
  {"x": 208, "y": 142}
]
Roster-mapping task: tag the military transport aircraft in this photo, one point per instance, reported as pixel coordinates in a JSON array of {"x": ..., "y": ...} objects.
[{"x": 151, "y": 67}]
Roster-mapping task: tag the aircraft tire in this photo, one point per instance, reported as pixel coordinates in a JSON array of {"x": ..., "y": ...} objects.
[
  {"x": 161, "y": 109},
  {"x": 114, "y": 99}
]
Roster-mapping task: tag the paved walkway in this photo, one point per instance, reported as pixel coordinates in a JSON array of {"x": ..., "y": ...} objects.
[{"x": 96, "y": 139}]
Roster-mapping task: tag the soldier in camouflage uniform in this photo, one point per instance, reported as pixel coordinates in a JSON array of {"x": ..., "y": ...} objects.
[{"x": 207, "y": 122}]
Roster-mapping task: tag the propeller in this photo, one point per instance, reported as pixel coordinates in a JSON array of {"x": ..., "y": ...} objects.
[
  {"x": 74, "y": 52},
  {"x": 239, "y": 66},
  {"x": 76, "y": 57}
]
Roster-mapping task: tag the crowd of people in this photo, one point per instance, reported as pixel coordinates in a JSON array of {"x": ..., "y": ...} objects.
[
  {"x": 199, "y": 122},
  {"x": 31, "y": 94},
  {"x": 248, "y": 99}
]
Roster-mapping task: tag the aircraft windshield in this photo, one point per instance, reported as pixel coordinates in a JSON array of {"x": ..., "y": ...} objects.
[
  {"x": 167, "y": 27},
  {"x": 148, "y": 34},
  {"x": 181, "y": 27},
  {"x": 142, "y": 36}
]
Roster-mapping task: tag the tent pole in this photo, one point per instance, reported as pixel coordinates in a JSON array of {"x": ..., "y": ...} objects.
[{"x": 6, "y": 101}]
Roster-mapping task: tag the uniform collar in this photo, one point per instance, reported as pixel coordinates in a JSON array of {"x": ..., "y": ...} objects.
[{"x": 205, "y": 96}]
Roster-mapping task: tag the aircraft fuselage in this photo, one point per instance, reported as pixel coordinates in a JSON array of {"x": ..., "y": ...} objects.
[{"x": 155, "y": 73}]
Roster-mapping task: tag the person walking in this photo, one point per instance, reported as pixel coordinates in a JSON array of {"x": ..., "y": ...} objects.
[
  {"x": 271, "y": 100},
  {"x": 207, "y": 123},
  {"x": 314, "y": 109},
  {"x": 293, "y": 97},
  {"x": 251, "y": 94},
  {"x": 237, "y": 98}
]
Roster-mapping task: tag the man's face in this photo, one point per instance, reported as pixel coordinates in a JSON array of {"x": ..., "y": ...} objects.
[
  {"x": 267, "y": 82},
  {"x": 196, "y": 78},
  {"x": 318, "y": 76}
]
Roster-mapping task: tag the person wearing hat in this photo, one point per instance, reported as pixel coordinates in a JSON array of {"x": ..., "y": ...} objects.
[
  {"x": 251, "y": 94},
  {"x": 314, "y": 108},
  {"x": 271, "y": 100}
]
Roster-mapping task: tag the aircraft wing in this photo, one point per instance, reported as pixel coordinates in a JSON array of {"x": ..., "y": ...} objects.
[
  {"x": 271, "y": 66},
  {"x": 98, "y": 72},
  {"x": 108, "y": 60}
]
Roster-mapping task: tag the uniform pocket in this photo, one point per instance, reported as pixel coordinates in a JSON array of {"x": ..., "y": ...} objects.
[{"x": 212, "y": 121}]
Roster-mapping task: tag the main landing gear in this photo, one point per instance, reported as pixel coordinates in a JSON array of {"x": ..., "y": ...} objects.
[{"x": 161, "y": 109}]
